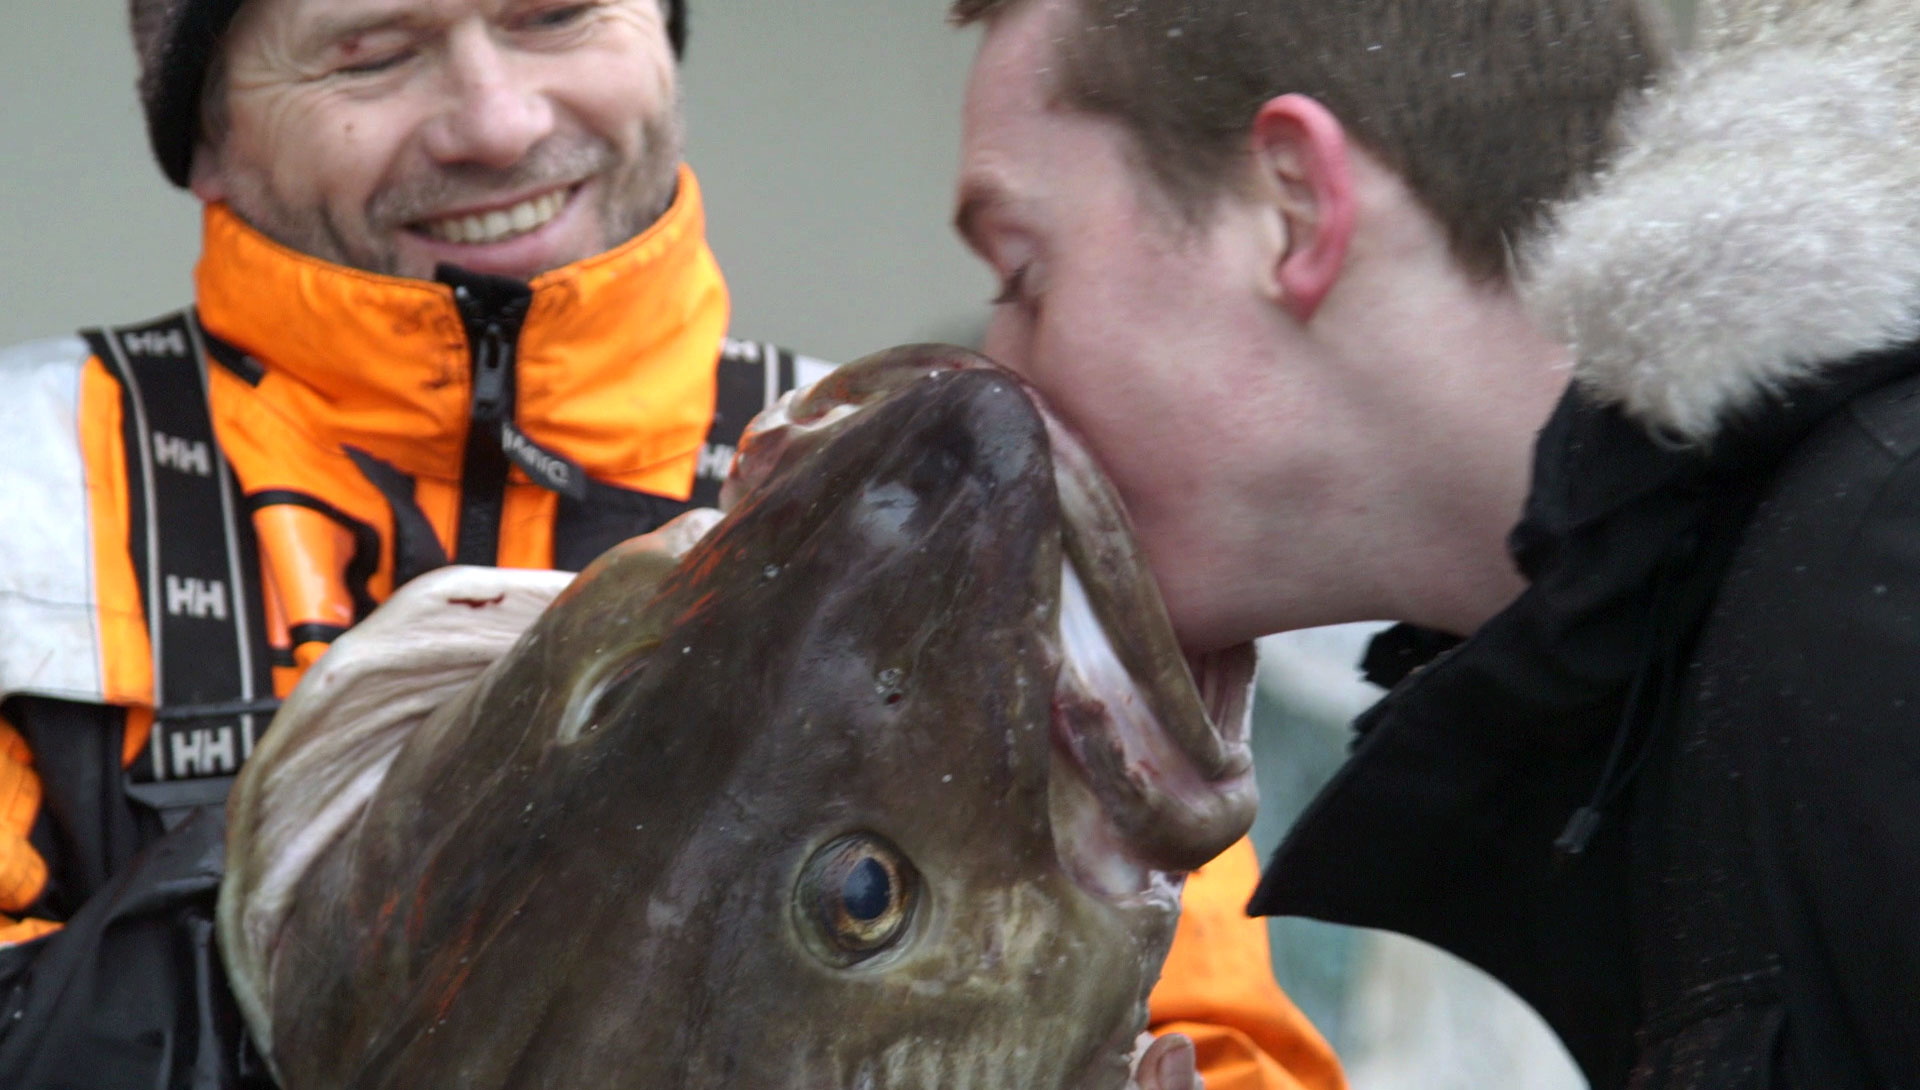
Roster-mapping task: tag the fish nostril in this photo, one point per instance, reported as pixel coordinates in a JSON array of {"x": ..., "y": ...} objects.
[{"x": 941, "y": 464}]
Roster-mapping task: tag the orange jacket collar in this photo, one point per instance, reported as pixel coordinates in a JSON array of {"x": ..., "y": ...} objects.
[{"x": 616, "y": 359}]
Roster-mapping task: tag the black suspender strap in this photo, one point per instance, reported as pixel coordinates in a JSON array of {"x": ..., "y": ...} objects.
[
  {"x": 750, "y": 377},
  {"x": 197, "y": 566}
]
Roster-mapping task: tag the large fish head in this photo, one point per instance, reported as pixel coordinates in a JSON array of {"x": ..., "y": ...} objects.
[
  {"x": 864, "y": 791},
  {"x": 866, "y": 861}
]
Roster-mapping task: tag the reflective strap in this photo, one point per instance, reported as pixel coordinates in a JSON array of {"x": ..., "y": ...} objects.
[
  {"x": 197, "y": 567},
  {"x": 752, "y": 376},
  {"x": 748, "y": 379}
]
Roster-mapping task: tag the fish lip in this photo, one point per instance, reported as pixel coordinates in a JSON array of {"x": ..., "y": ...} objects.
[
  {"x": 1222, "y": 678},
  {"x": 1152, "y": 775},
  {"x": 1202, "y": 706}
]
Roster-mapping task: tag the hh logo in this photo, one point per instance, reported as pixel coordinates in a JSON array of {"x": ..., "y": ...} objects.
[
  {"x": 186, "y": 455},
  {"x": 715, "y": 459},
  {"x": 196, "y": 598},
  {"x": 156, "y": 342},
  {"x": 552, "y": 471},
  {"x": 205, "y": 751}
]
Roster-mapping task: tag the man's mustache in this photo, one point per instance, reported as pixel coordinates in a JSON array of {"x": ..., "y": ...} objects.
[{"x": 450, "y": 187}]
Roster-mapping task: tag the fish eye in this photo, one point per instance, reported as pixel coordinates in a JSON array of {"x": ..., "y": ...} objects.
[
  {"x": 855, "y": 898},
  {"x": 601, "y": 700}
]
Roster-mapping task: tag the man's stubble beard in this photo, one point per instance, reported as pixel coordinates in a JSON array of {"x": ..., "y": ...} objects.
[{"x": 632, "y": 199}]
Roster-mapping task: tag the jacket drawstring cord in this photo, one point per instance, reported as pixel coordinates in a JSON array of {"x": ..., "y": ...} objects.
[{"x": 1614, "y": 780}]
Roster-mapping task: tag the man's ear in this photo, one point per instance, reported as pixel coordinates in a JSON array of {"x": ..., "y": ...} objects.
[
  {"x": 205, "y": 177},
  {"x": 1302, "y": 150}
]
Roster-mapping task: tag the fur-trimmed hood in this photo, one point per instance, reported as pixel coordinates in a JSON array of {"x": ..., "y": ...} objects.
[{"x": 1760, "y": 225}]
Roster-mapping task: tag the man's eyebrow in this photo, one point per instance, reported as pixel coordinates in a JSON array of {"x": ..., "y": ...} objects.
[
  {"x": 326, "y": 30},
  {"x": 978, "y": 196}
]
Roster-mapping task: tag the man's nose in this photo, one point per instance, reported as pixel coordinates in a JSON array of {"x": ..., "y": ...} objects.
[{"x": 495, "y": 112}]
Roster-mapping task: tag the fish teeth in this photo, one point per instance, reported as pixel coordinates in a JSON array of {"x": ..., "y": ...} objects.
[{"x": 483, "y": 228}]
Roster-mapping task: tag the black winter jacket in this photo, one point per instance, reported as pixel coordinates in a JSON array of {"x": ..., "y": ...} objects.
[
  {"x": 1671, "y": 795},
  {"x": 1718, "y": 660}
]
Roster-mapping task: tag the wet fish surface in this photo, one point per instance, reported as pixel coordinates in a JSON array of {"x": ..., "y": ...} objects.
[{"x": 885, "y": 780}]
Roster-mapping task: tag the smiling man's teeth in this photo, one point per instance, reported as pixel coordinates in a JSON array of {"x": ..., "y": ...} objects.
[{"x": 500, "y": 226}]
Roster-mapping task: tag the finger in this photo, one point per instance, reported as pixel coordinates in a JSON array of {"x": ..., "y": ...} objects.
[{"x": 1170, "y": 1064}]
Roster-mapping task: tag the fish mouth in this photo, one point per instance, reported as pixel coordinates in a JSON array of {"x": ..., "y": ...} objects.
[
  {"x": 1158, "y": 739},
  {"x": 1153, "y": 769}
]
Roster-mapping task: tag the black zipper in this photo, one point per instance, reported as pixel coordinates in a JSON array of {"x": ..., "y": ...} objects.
[{"x": 493, "y": 309}]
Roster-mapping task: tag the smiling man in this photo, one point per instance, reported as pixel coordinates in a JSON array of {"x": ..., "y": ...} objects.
[
  {"x": 454, "y": 305},
  {"x": 336, "y": 137}
]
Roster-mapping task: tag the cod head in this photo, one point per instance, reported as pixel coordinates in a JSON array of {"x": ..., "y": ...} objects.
[{"x": 889, "y": 781}]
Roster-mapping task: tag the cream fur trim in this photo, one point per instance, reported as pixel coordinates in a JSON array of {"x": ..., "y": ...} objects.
[{"x": 1762, "y": 224}]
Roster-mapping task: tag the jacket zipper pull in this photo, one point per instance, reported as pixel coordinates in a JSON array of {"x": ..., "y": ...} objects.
[
  {"x": 1579, "y": 832},
  {"x": 493, "y": 358}
]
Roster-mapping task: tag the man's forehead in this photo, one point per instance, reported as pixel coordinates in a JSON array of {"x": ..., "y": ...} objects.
[
  {"x": 1011, "y": 85},
  {"x": 1014, "y": 115},
  {"x": 1019, "y": 55}
]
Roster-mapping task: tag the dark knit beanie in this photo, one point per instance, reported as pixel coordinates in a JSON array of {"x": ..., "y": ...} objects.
[{"x": 175, "y": 41}]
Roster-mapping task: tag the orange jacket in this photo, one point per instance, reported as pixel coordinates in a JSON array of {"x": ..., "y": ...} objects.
[
  {"x": 345, "y": 404},
  {"x": 1217, "y": 987}
]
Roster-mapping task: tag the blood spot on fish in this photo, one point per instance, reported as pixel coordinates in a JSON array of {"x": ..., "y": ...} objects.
[
  {"x": 889, "y": 685},
  {"x": 478, "y": 603}
]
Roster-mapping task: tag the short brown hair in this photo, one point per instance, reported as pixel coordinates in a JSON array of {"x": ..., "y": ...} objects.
[{"x": 1490, "y": 109}]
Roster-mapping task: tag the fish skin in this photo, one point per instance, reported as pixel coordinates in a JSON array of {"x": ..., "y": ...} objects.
[{"x": 583, "y": 870}]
